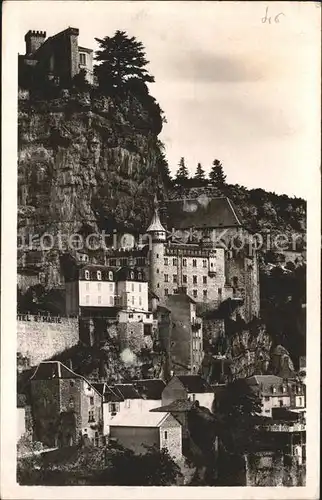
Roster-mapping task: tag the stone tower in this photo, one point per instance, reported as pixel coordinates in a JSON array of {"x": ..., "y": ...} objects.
[{"x": 157, "y": 240}]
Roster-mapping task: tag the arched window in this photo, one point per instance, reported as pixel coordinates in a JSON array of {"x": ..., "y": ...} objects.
[
  {"x": 87, "y": 275},
  {"x": 132, "y": 275},
  {"x": 99, "y": 275},
  {"x": 140, "y": 276},
  {"x": 110, "y": 276}
]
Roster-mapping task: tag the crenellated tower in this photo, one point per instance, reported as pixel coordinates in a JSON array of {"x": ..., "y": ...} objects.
[{"x": 157, "y": 240}]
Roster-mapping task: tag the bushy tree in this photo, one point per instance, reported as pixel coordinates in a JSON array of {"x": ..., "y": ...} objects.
[
  {"x": 182, "y": 175},
  {"x": 216, "y": 175},
  {"x": 154, "y": 468},
  {"x": 121, "y": 59}
]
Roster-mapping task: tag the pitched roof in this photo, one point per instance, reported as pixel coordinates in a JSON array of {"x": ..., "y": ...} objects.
[
  {"x": 139, "y": 419},
  {"x": 47, "y": 370},
  {"x": 266, "y": 382},
  {"x": 195, "y": 383},
  {"x": 179, "y": 405},
  {"x": 126, "y": 391},
  {"x": 99, "y": 387},
  {"x": 201, "y": 212},
  {"x": 150, "y": 388},
  {"x": 112, "y": 397}
]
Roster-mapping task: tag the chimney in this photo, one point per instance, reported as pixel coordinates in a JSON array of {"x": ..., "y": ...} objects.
[{"x": 34, "y": 39}]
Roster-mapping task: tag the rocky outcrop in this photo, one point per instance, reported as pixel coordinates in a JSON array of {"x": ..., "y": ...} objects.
[{"x": 85, "y": 163}]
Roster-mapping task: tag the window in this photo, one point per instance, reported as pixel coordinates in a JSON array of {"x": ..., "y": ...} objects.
[
  {"x": 71, "y": 403},
  {"x": 204, "y": 263},
  {"x": 140, "y": 288},
  {"x": 195, "y": 293},
  {"x": 112, "y": 262},
  {"x": 205, "y": 294},
  {"x": 158, "y": 285},
  {"x": 132, "y": 276},
  {"x": 184, "y": 278},
  {"x": 166, "y": 278},
  {"x": 193, "y": 397},
  {"x": 194, "y": 280},
  {"x": 99, "y": 275},
  {"x": 87, "y": 275},
  {"x": 175, "y": 262},
  {"x": 72, "y": 383},
  {"x": 148, "y": 316},
  {"x": 123, "y": 262},
  {"x": 140, "y": 301},
  {"x": 166, "y": 261},
  {"x": 110, "y": 276},
  {"x": 175, "y": 290},
  {"x": 87, "y": 287},
  {"x": 194, "y": 262},
  {"x": 266, "y": 398},
  {"x": 99, "y": 299},
  {"x": 281, "y": 402},
  {"x": 166, "y": 292},
  {"x": 165, "y": 435},
  {"x": 91, "y": 417},
  {"x": 91, "y": 401},
  {"x": 300, "y": 402},
  {"x": 111, "y": 287},
  {"x": 114, "y": 408},
  {"x": 157, "y": 255},
  {"x": 132, "y": 287},
  {"x": 130, "y": 315},
  {"x": 82, "y": 58},
  {"x": 87, "y": 299},
  {"x": 219, "y": 291},
  {"x": 132, "y": 299},
  {"x": 175, "y": 278},
  {"x": 99, "y": 286},
  {"x": 111, "y": 301},
  {"x": 158, "y": 271},
  {"x": 204, "y": 279},
  {"x": 273, "y": 389},
  {"x": 140, "y": 276},
  {"x": 184, "y": 262}
]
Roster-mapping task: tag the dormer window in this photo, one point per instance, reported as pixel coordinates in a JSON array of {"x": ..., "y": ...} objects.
[
  {"x": 132, "y": 276},
  {"x": 99, "y": 275},
  {"x": 87, "y": 275},
  {"x": 273, "y": 389},
  {"x": 110, "y": 276},
  {"x": 140, "y": 276}
]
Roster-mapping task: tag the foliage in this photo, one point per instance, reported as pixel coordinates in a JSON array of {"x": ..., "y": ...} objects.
[
  {"x": 216, "y": 175},
  {"x": 154, "y": 468},
  {"x": 182, "y": 175},
  {"x": 79, "y": 81},
  {"x": 200, "y": 176},
  {"x": 121, "y": 59}
]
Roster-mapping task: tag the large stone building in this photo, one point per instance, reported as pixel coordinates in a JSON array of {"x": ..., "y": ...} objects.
[
  {"x": 58, "y": 57},
  {"x": 65, "y": 406}
]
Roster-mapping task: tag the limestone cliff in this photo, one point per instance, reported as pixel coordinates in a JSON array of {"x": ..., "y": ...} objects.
[{"x": 86, "y": 162}]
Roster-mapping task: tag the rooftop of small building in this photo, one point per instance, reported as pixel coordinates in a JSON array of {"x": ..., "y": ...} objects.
[
  {"x": 195, "y": 384},
  {"x": 150, "y": 388},
  {"x": 145, "y": 419},
  {"x": 201, "y": 212},
  {"x": 179, "y": 405},
  {"x": 126, "y": 391}
]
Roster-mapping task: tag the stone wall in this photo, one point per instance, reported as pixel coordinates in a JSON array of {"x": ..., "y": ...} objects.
[
  {"x": 41, "y": 337},
  {"x": 131, "y": 336},
  {"x": 172, "y": 440}
]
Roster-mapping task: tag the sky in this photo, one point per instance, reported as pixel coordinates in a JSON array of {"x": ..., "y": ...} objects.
[{"x": 232, "y": 86}]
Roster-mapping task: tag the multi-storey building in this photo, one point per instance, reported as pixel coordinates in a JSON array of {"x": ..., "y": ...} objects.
[
  {"x": 65, "y": 406},
  {"x": 58, "y": 57}
]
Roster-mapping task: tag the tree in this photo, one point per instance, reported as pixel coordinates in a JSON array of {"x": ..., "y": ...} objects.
[
  {"x": 216, "y": 175},
  {"x": 79, "y": 81},
  {"x": 199, "y": 178},
  {"x": 163, "y": 165},
  {"x": 154, "y": 468},
  {"x": 122, "y": 58},
  {"x": 237, "y": 412},
  {"x": 182, "y": 175}
]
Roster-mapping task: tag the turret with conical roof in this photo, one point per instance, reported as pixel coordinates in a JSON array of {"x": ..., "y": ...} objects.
[
  {"x": 156, "y": 229},
  {"x": 157, "y": 234}
]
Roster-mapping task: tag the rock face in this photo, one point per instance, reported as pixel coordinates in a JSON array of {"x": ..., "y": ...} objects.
[{"x": 85, "y": 163}]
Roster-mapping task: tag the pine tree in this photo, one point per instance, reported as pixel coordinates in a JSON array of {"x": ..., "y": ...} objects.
[
  {"x": 163, "y": 165},
  {"x": 182, "y": 175},
  {"x": 199, "y": 178},
  {"x": 216, "y": 175},
  {"x": 122, "y": 59}
]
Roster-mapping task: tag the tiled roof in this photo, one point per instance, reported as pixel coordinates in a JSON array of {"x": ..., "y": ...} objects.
[
  {"x": 126, "y": 391},
  {"x": 180, "y": 405},
  {"x": 99, "y": 387},
  {"x": 112, "y": 397},
  {"x": 146, "y": 419},
  {"x": 150, "y": 388},
  {"x": 195, "y": 383},
  {"x": 265, "y": 383},
  {"x": 201, "y": 212}
]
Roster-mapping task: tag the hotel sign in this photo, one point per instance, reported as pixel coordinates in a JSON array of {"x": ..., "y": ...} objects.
[{"x": 38, "y": 318}]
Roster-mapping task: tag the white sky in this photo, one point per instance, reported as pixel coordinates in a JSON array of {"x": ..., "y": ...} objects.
[{"x": 231, "y": 87}]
